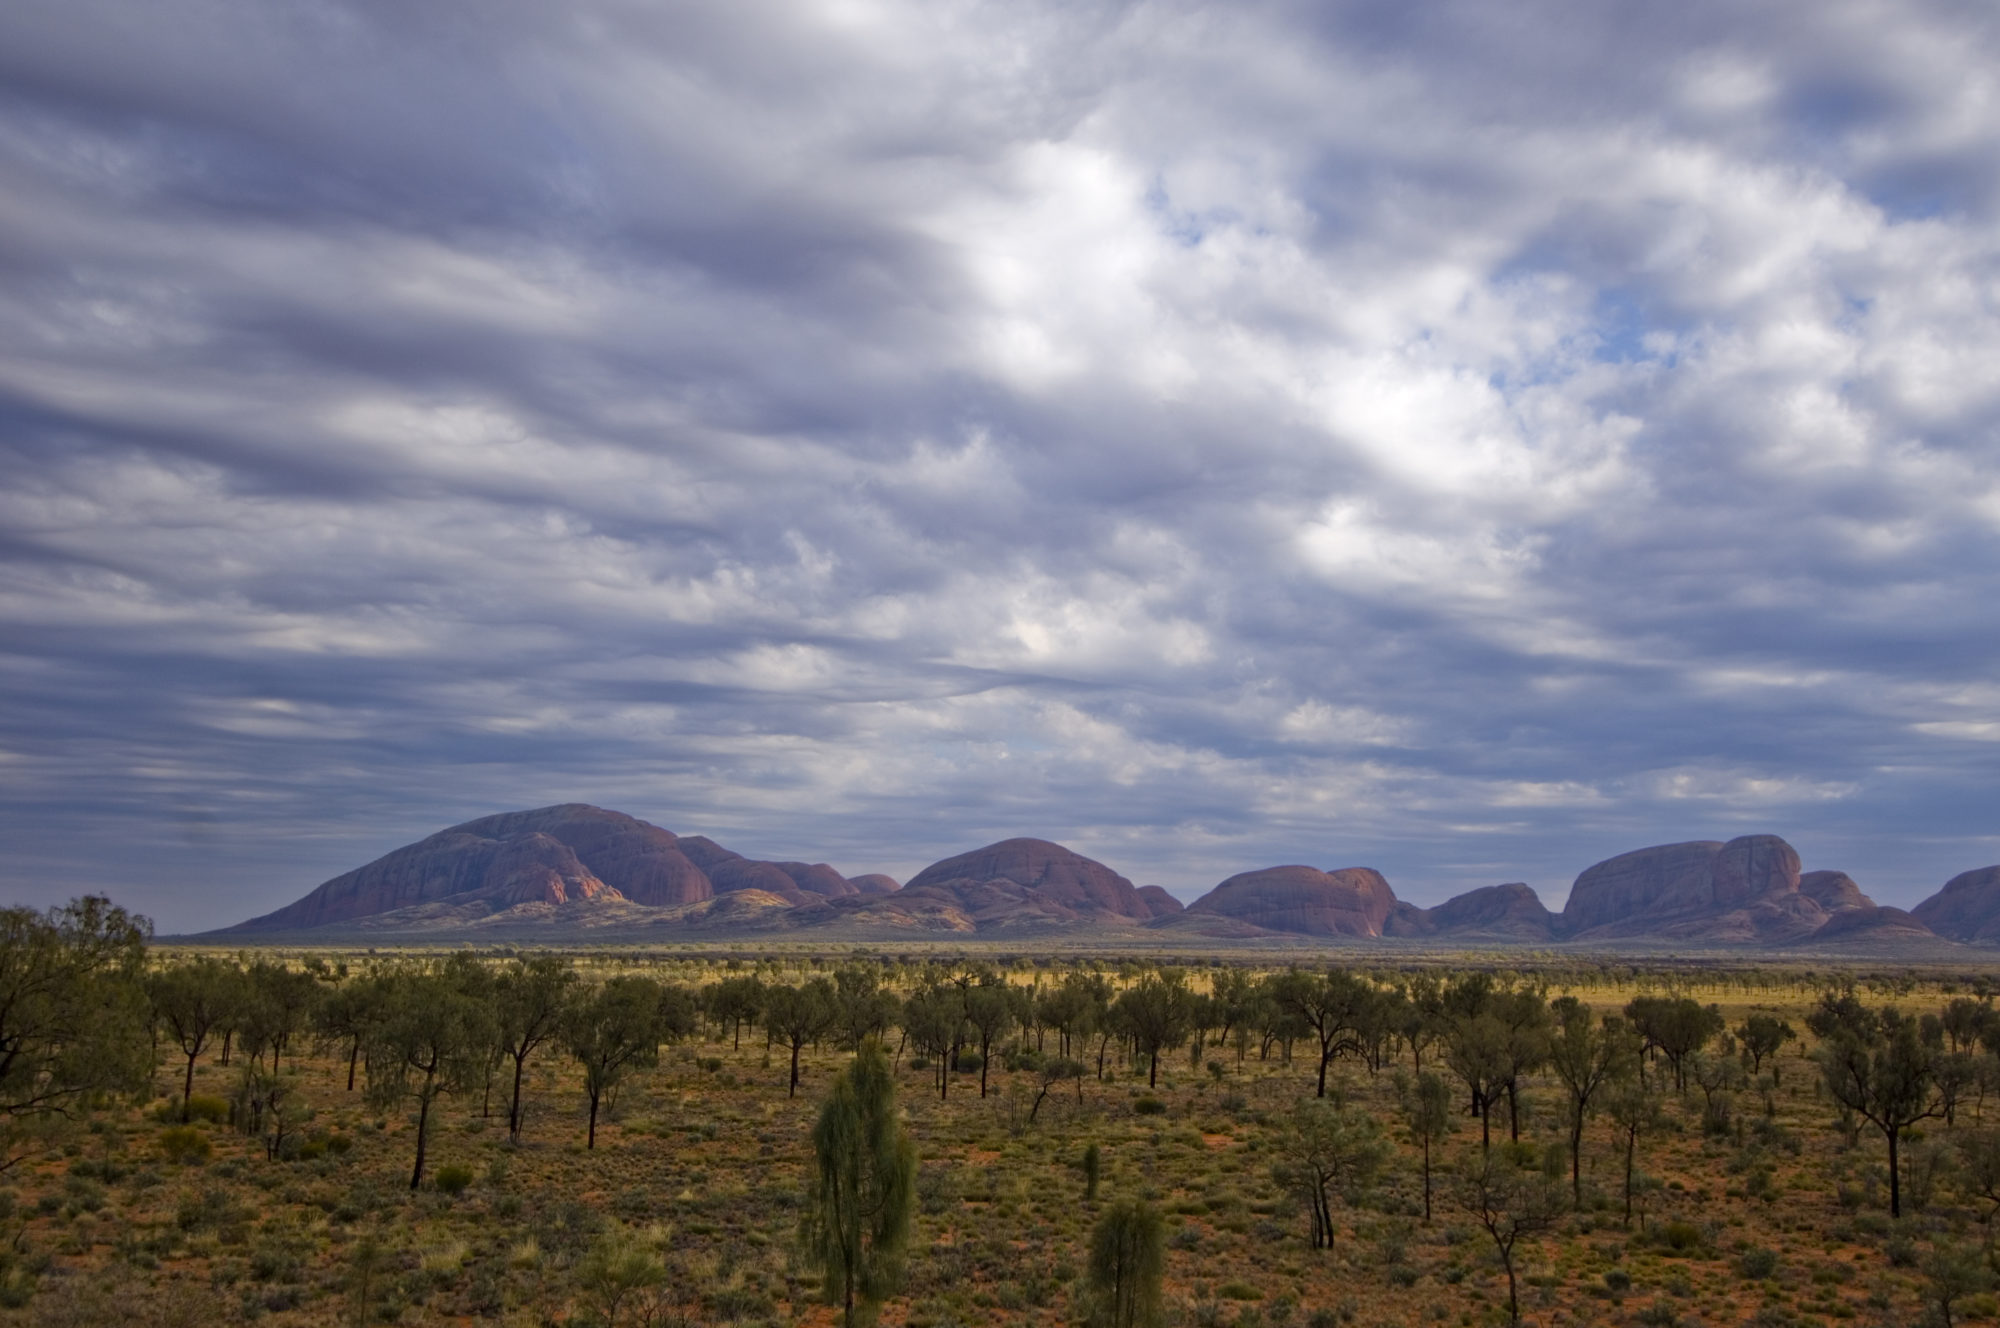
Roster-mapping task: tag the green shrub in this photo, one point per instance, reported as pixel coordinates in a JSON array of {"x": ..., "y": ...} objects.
[
  {"x": 1681, "y": 1237},
  {"x": 1238, "y": 1291},
  {"x": 1150, "y": 1106},
  {"x": 1758, "y": 1264},
  {"x": 184, "y": 1143},
  {"x": 202, "y": 1107},
  {"x": 455, "y": 1179}
]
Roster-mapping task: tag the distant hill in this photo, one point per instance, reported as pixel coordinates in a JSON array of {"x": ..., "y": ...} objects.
[{"x": 576, "y": 870}]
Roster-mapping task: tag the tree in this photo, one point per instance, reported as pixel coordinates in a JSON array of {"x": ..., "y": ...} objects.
[
  {"x": 1635, "y": 1109},
  {"x": 610, "y": 1031},
  {"x": 1328, "y": 1146},
  {"x": 798, "y": 1015},
  {"x": 73, "y": 1011},
  {"x": 618, "y": 1269},
  {"x": 1155, "y": 1012},
  {"x": 531, "y": 1000},
  {"x": 990, "y": 1014},
  {"x": 735, "y": 1002},
  {"x": 1426, "y": 1106},
  {"x": 1128, "y": 1262},
  {"x": 1951, "y": 1273},
  {"x": 857, "y": 1220},
  {"x": 344, "y": 1016},
  {"x": 1877, "y": 1065},
  {"x": 1762, "y": 1035},
  {"x": 1052, "y": 1071},
  {"x": 933, "y": 1016},
  {"x": 1585, "y": 1054},
  {"x": 862, "y": 1008},
  {"x": 430, "y": 1040},
  {"x": 1332, "y": 1005},
  {"x": 189, "y": 1000},
  {"x": 1677, "y": 1026},
  {"x": 1510, "y": 1204},
  {"x": 281, "y": 1003},
  {"x": 1475, "y": 1050}
]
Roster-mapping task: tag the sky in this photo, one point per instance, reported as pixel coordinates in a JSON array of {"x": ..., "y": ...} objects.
[{"x": 1467, "y": 440}]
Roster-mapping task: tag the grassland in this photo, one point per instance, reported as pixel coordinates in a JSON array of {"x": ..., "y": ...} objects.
[{"x": 122, "y": 1215}]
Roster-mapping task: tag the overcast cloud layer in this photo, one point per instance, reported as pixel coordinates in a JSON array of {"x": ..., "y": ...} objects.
[{"x": 1461, "y": 439}]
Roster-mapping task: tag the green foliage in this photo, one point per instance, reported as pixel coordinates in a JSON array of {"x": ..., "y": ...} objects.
[
  {"x": 73, "y": 1009},
  {"x": 453, "y": 1179},
  {"x": 610, "y": 1032},
  {"x": 857, "y": 1220},
  {"x": 185, "y": 1143},
  {"x": 1128, "y": 1263},
  {"x": 1328, "y": 1147},
  {"x": 618, "y": 1270}
]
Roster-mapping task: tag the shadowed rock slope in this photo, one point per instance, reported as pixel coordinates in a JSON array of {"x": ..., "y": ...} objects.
[
  {"x": 1967, "y": 909},
  {"x": 571, "y": 857}
]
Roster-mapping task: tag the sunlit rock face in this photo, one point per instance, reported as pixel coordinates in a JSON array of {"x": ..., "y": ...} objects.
[
  {"x": 1352, "y": 901},
  {"x": 550, "y": 855},
  {"x": 1048, "y": 876},
  {"x": 1967, "y": 909},
  {"x": 1162, "y": 904},
  {"x": 1746, "y": 890}
]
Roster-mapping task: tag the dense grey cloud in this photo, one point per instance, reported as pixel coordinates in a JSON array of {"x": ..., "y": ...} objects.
[{"x": 1461, "y": 439}]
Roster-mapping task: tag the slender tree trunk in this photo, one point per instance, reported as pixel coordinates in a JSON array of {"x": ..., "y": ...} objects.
[
  {"x": 1631, "y": 1147},
  {"x": 1324, "y": 1057},
  {"x": 1427, "y": 1180},
  {"x": 794, "y": 1090},
  {"x": 985, "y": 1054},
  {"x": 514, "y": 1110},
  {"x": 353, "y": 1057},
  {"x": 1895, "y": 1177},
  {"x": 423, "y": 1136},
  {"x": 228, "y": 1035},
  {"x": 1153, "y": 1069},
  {"x": 1576, "y": 1157},
  {"x": 187, "y": 1093},
  {"x": 590, "y": 1138}
]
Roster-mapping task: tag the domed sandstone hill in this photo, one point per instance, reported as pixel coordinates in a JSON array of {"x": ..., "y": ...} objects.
[
  {"x": 1053, "y": 878},
  {"x": 1967, "y": 909},
  {"x": 550, "y": 856},
  {"x": 1352, "y": 901}
]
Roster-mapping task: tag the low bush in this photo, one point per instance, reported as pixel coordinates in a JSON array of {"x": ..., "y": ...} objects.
[
  {"x": 454, "y": 1179},
  {"x": 184, "y": 1143}
]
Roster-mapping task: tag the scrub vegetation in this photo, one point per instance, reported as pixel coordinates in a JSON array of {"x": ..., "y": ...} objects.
[{"x": 927, "y": 1138}]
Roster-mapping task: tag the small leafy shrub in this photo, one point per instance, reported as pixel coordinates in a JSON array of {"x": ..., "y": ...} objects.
[
  {"x": 1238, "y": 1291},
  {"x": 454, "y": 1180},
  {"x": 970, "y": 1062},
  {"x": 1902, "y": 1251},
  {"x": 1681, "y": 1237},
  {"x": 1149, "y": 1106},
  {"x": 202, "y": 1107},
  {"x": 184, "y": 1143},
  {"x": 1758, "y": 1264},
  {"x": 1618, "y": 1281}
]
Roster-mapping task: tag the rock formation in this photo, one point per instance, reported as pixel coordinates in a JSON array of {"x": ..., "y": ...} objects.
[
  {"x": 1744, "y": 890},
  {"x": 1162, "y": 904},
  {"x": 875, "y": 883},
  {"x": 550, "y": 856},
  {"x": 1511, "y": 912},
  {"x": 1352, "y": 901},
  {"x": 1834, "y": 891},
  {"x": 1967, "y": 909},
  {"x": 1047, "y": 877}
]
